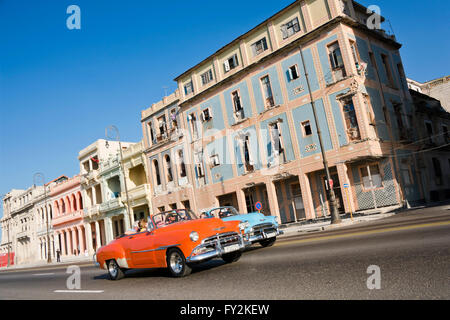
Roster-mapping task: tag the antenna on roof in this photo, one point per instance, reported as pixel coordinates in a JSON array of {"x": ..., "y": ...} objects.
[{"x": 165, "y": 90}]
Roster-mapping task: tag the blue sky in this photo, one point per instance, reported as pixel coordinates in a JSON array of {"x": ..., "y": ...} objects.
[{"x": 60, "y": 88}]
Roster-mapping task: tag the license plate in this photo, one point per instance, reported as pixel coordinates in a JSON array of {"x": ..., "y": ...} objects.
[
  {"x": 231, "y": 248},
  {"x": 271, "y": 235}
]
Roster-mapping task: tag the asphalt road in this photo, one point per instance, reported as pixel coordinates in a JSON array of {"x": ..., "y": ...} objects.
[{"x": 412, "y": 251}]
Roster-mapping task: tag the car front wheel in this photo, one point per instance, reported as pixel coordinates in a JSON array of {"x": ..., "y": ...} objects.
[
  {"x": 114, "y": 271},
  {"x": 268, "y": 242},
  {"x": 176, "y": 263},
  {"x": 232, "y": 257}
]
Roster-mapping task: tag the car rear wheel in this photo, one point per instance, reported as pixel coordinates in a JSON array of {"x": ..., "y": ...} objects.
[
  {"x": 176, "y": 263},
  {"x": 232, "y": 257},
  {"x": 114, "y": 271},
  {"x": 268, "y": 242}
]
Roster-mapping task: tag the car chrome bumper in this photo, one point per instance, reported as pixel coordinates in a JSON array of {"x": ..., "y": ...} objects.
[
  {"x": 263, "y": 236},
  {"x": 218, "y": 251},
  {"x": 94, "y": 257}
]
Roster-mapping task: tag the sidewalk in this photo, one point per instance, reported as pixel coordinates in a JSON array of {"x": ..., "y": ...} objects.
[
  {"x": 65, "y": 261},
  {"x": 322, "y": 224}
]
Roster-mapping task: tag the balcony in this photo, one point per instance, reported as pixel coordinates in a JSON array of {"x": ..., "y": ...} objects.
[
  {"x": 110, "y": 164},
  {"x": 90, "y": 176},
  {"x": 23, "y": 235},
  {"x": 91, "y": 211},
  {"x": 137, "y": 195},
  {"x": 110, "y": 205},
  {"x": 172, "y": 134},
  {"x": 65, "y": 218}
]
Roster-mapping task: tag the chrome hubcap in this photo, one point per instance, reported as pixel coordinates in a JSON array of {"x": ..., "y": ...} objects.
[
  {"x": 113, "y": 268},
  {"x": 176, "y": 262}
]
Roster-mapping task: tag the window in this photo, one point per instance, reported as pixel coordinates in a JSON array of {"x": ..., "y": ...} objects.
[
  {"x": 199, "y": 170},
  {"x": 231, "y": 63},
  {"x": 193, "y": 120},
  {"x": 259, "y": 47},
  {"x": 398, "y": 116},
  {"x": 401, "y": 73},
  {"x": 336, "y": 61},
  {"x": 237, "y": 105},
  {"x": 207, "y": 77},
  {"x": 173, "y": 118},
  {"x": 276, "y": 140},
  {"x": 214, "y": 161},
  {"x": 307, "y": 130},
  {"x": 182, "y": 164},
  {"x": 371, "y": 177},
  {"x": 387, "y": 69},
  {"x": 293, "y": 73},
  {"x": 429, "y": 128},
  {"x": 156, "y": 172},
  {"x": 335, "y": 56},
  {"x": 152, "y": 133},
  {"x": 248, "y": 159},
  {"x": 355, "y": 55},
  {"x": 290, "y": 28},
  {"x": 162, "y": 127},
  {"x": 249, "y": 202},
  {"x": 168, "y": 169},
  {"x": 351, "y": 121},
  {"x": 267, "y": 91},
  {"x": 206, "y": 115},
  {"x": 188, "y": 88},
  {"x": 406, "y": 174},
  {"x": 445, "y": 133},
  {"x": 437, "y": 171}
]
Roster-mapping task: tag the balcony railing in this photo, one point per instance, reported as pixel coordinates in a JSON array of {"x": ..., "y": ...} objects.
[
  {"x": 68, "y": 217},
  {"x": 138, "y": 192},
  {"x": 111, "y": 205},
  {"x": 91, "y": 211}
]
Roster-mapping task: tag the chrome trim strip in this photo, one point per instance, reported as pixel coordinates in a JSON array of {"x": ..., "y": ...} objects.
[{"x": 158, "y": 249}]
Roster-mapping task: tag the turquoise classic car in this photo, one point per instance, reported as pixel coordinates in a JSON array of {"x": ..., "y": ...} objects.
[{"x": 256, "y": 226}]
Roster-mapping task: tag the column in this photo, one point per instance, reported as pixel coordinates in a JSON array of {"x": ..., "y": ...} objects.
[
  {"x": 305, "y": 188},
  {"x": 63, "y": 246},
  {"x": 80, "y": 240},
  {"x": 108, "y": 229},
  {"x": 69, "y": 242},
  {"x": 74, "y": 241},
  {"x": 240, "y": 194},
  {"x": 94, "y": 196},
  {"x": 97, "y": 235},
  {"x": 88, "y": 235},
  {"x": 273, "y": 200},
  {"x": 347, "y": 194}
]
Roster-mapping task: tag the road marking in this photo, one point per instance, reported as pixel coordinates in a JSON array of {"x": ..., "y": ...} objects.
[
  {"x": 43, "y": 274},
  {"x": 78, "y": 291},
  {"x": 418, "y": 226}
]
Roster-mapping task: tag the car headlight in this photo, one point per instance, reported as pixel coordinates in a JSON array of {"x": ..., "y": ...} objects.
[
  {"x": 194, "y": 236},
  {"x": 243, "y": 225}
]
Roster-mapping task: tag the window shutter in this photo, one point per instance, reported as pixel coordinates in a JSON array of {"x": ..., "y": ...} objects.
[
  {"x": 333, "y": 63},
  {"x": 226, "y": 65},
  {"x": 339, "y": 60},
  {"x": 284, "y": 31}
]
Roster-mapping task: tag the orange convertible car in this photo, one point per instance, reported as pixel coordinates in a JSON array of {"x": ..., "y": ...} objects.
[{"x": 175, "y": 240}]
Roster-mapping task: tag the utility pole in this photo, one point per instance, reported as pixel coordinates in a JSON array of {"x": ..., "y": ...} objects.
[
  {"x": 114, "y": 128},
  {"x": 335, "y": 219},
  {"x": 41, "y": 176}
]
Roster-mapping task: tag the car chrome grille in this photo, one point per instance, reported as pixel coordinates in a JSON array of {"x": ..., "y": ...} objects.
[
  {"x": 264, "y": 227},
  {"x": 225, "y": 239}
]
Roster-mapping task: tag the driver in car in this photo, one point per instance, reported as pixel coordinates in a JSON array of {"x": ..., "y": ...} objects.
[{"x": 171, "y": 218}]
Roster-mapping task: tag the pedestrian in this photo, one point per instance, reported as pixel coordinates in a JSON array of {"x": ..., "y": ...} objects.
[{"x": 58, "y": 256}]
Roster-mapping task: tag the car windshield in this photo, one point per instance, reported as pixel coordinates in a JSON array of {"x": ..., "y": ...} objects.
[
  {"x": 164, "y": 219},
  {"x": 223, "y": 212}
]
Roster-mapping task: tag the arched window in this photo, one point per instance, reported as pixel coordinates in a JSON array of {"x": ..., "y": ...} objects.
[
  {"x": 156, "y": 172},
  {"x": 168, "y": 168}
]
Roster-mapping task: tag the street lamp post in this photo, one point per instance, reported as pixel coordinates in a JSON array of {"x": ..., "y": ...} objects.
[
  {"x": 114, "y": 128},
  {"x": 330, "y": 192},
  {"x": 8, "y": 244},
  {"x": 41, "y": 176}
]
